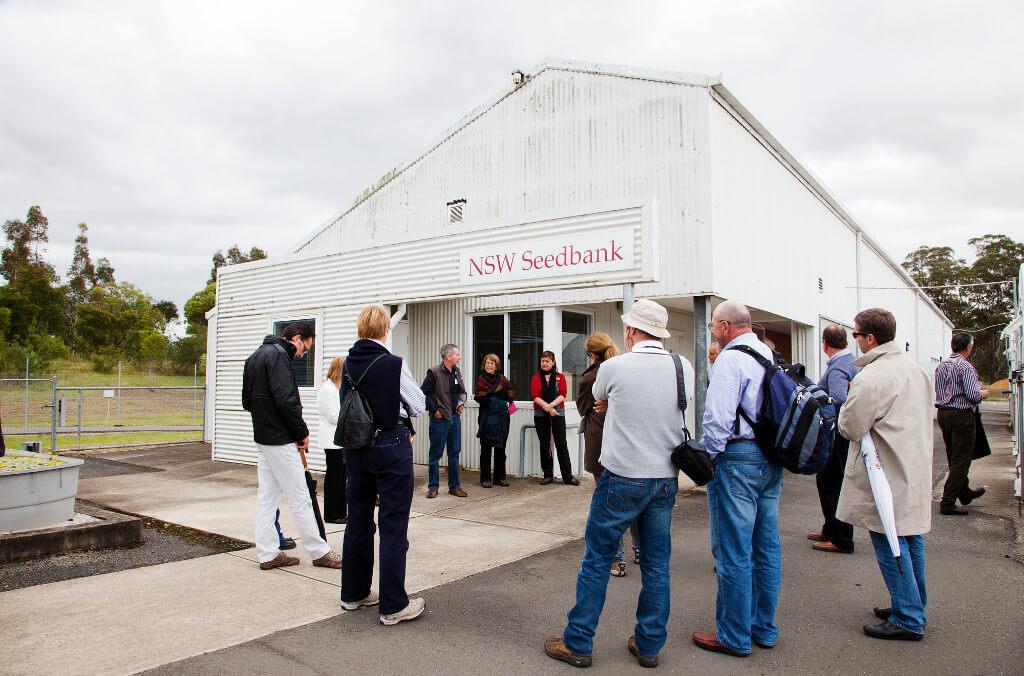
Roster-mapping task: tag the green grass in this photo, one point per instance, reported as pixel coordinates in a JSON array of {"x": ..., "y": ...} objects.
[
  {"x": 78, "y": 373},
  {"x": 69, "y": 442}
]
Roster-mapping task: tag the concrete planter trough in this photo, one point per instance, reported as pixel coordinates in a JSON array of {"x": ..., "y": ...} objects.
[{"x": 36, "y": 490}]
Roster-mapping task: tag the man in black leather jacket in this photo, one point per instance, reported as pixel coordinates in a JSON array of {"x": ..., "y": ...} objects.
[{"x": 271, "y": 396}]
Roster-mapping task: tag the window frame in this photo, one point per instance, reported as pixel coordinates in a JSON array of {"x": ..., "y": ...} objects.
[
  {"x": 523, "y": 389},
  {"x": 317, "y": 359},
  {"x": 591, "y": 321}
]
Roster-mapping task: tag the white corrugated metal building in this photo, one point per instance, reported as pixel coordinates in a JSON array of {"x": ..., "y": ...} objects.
[{"x": 675, "y": 189}]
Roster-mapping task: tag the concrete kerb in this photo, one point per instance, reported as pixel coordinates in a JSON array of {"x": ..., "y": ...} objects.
[{"x": 107, "y": 529}]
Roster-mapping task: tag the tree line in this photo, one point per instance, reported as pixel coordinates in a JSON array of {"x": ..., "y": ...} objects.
[
  {"x": 89, "y": 313},
  {"x": 977, "y": 297}
]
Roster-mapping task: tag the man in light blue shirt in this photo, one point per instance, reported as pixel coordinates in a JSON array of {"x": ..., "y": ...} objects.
[{"x": 743, "y": 497}]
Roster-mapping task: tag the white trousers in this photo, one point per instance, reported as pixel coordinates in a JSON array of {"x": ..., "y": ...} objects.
[{"x": 279, "y": 470}]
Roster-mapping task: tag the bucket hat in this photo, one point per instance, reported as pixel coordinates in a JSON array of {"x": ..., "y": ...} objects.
[{"x": 649, "y": 317}]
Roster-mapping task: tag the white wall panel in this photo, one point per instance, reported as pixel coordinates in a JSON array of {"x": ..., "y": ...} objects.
[{"x": 773, "y": 238}]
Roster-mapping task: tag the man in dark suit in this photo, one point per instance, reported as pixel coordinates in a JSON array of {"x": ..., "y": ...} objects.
[{"x": 835, "y": 536}]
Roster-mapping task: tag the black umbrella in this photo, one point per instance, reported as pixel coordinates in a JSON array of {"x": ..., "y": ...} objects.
[
  {"x": 981, "y": 445},
  {"x": 311, "y": 484}
]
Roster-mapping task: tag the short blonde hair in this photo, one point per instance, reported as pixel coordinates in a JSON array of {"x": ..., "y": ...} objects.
[
  {"x": 334, "y": 372},
  {"x": 601, "y": 346},
  {"x": 373, "y": 323}
]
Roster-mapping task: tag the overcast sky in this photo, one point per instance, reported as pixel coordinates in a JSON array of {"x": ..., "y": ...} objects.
[{"x": 176, "y": 128}]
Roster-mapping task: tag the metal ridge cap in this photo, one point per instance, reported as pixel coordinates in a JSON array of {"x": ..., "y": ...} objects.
[
  {"x": 633, "y": 72},
  {"x": 822, "y": 191}
]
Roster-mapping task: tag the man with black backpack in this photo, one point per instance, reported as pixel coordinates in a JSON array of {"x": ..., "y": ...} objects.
[
  {"x": 271, "y": 396},
  {"x": 743, "y": 496}
]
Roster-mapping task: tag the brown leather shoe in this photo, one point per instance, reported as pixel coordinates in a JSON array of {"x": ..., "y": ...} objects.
[
  {"x": 279, "y": 561},
  {"x": 817, "y": 537},
  {"x": 643, "y": 660},
  {"x": 432, "y": 493},
  {"x": 708, "y": 641},
  {"x": 555, "y": 648},
  {"x": 328, "y": 560},
  {"x": 830, "y": 548},
  {"x": 457, "y": 492}
]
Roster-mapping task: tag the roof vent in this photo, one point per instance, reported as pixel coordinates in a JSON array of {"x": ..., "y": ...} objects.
[
  {"x": 821, "y": 285},
  {"x": 455, "y": 208},
  {"x": 518, "y": 77}
]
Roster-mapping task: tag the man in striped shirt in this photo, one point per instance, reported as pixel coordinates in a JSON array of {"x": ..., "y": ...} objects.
[{"x": 957, "y": 393}]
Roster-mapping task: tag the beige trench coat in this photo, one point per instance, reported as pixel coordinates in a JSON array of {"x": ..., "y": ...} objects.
[{"x": 891, "y": 396}]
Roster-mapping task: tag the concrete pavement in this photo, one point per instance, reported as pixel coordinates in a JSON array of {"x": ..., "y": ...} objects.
[
  {"x": 225, "y": 599},
  {"x": 498, "y": 572},
  {"x": 496, "y": 621}
]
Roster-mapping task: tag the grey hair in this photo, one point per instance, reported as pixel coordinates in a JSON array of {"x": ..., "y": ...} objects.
[
  {"x": 734, "y": 312},
  {"x": 447, "y": 349}
]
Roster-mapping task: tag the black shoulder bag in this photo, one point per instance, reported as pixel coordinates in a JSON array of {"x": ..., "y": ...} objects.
[
  {"x": 689, "y": 456},
  {"x": 356, "y": 427}
]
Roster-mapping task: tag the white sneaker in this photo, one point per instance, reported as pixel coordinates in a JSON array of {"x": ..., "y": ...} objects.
[
  {"x": 410, "y": 612},
  {"x": 370, "y": 600}
]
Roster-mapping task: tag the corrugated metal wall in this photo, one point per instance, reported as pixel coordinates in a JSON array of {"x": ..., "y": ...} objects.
[
  {"x": 779, "y": 248},
  {"x": 565, "y": 139}
]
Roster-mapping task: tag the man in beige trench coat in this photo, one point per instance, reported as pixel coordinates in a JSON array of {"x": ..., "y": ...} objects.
[{"x": 891, "y": 398}]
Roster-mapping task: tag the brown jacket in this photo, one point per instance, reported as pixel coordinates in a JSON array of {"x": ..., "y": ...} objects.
[
  {"x": 591, "y": 424},
  {"x": 892, "y": 398}
]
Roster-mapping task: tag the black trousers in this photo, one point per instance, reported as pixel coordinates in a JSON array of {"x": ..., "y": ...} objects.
[
  {"x": 549, "y": 426},
  {"x": 958, "y": 433},
  {"x": 830, "y": 483},
  {"x": 334, "y": 485},
  {"x": 385, "y": 470},
  {"x": 485, "y": 462}
]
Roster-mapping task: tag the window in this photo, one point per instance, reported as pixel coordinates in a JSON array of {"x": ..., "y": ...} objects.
[
  {"x": 302, "y": 368},
  {"x": 575, "y": 329},
  {"x": 488, "y": 338},
  {"x": 516, "y": 337},
  {"x": 526, "y": 342}
]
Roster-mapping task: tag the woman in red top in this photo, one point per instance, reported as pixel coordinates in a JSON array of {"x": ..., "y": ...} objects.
[{"x": 548, "y": 389}]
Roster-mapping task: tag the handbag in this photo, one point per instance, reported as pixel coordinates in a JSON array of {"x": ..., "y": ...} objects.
[
  {"x": 981, "y": 445},
  {"x": 689, "y": 457},
  {"x": 512, "y": 408}
]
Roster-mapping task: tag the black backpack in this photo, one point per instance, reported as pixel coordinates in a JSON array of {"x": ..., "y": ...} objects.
[
  {"x": 796, "y": 426},
  {"x": 356, "y": 427}
]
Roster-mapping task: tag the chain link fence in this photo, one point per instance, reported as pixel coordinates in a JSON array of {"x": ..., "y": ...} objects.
[{"x": 83, "y": 417}]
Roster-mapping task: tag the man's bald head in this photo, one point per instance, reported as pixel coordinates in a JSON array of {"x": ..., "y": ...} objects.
[
  {"x": 734, "y": 312},
  {"x": 730, "y": 319}
]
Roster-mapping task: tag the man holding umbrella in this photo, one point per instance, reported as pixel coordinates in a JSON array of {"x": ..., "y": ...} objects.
[
  {"x": 891, "y": 398},
  {"x": 271, "y": 396}
]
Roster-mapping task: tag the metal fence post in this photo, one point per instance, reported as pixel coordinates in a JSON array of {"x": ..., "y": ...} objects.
[
  {"x": 26, "y": 394},
  {"x": 195, "y": 393},
  {"x": 78, "y": 444},
  {"x": 53, "y": 415},
  {"x": 117, "y": 420}
]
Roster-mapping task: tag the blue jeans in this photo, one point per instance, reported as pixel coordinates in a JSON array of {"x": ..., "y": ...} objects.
[
  {"x": 280, "y": 533},
  {"x": 445, "y": 432},
  {"x": 906, "y": 589},
  {"x": 616, "y": 502},
  {"x": 743, "y": 501}
]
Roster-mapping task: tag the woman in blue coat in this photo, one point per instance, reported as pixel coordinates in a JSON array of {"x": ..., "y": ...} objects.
[{"x": 494, "y": 393}]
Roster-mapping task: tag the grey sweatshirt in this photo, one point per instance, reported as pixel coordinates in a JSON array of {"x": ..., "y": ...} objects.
[{"x": 644, "y": 423}]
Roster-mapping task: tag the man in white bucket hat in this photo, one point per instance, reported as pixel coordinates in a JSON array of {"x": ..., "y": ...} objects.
[{"x": 644, "y": 424}]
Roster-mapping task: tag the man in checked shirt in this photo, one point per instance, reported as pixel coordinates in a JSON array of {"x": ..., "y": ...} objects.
[{"x": 957, "y": 393}]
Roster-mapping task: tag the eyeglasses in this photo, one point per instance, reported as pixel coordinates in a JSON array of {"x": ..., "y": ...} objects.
[
  {"x": 711, "y": 325},
  {"x": 860, "y": 335}
]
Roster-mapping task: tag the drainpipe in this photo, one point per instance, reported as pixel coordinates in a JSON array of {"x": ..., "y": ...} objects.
[{"x": 395, "y": 318}]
